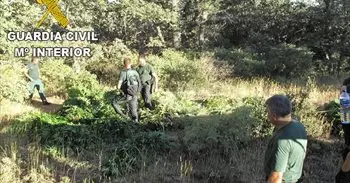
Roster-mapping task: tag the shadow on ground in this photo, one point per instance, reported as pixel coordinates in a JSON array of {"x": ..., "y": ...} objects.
[
  {"x": 55, "y": 105},
  {"x": 212, "y": 148}
]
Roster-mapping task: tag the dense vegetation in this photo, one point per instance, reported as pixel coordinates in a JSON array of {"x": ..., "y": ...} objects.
[{"x": 217, "y": 61}]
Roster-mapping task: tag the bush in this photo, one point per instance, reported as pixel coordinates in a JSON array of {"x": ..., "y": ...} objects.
[
  {"x": 87, "y": 99},
  {"x": 13, "y": 85},
  {"x": 219, "y": 104},
  {"x": 288, "y": 61},
  {"x": 125, "y": 145},
  {"x": 177, "y": 72},
  {"x": 108, "y": 66},
  {"x": 220, "y": 133},
  {"x": 331, "y": 113},
  {"x": 245, "y": 63},
  {"x": 131, "y": 154},
  {"x": 55, "y": 75},
  {"x": 261, "y": 127},
  {"x": 168, "y": 106},
  {"x": 280, "y": 60},
  {"x": 307, "y": 112}
]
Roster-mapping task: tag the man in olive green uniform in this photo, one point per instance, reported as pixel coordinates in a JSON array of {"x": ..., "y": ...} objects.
[
  {"x": 285, "y": 153},
  {"x": 33, "y": 75},
  {"x": 147, "y": 75},
  {"x": 130, "y": 84}
]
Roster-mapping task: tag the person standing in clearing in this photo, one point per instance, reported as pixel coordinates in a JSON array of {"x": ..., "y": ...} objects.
[
  {"x": 148, "y": 76},
  {"x": 286, "y": 150},
  {"x": 130, "y": 84},
  {"x": 33, "y": 74}
]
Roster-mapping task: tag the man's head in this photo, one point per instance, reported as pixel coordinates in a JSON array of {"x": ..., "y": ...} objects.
[
  {"x": 127, "y": 62},
  {"x": 142, "y": 59},
  {"x": 35, "y": 60},
  {"x": 279, "y": 109}
]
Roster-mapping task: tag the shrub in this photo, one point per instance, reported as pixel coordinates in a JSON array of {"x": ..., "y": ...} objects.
[
  {"x": 54, "y": 74},
  {"x": 280, "y": 60},
  {"x": 219, "y": 104},
  {"x": 288, "y": 60},
  {"x": 245, "y": 63},
  {"x": 261, "y": 127},
  {"x": 331, "y": 114},
  {"x": 177, "y": 72},
  {"x": 13, "y": 85},
  {"x": 108, "y": 66},
  {"x": 220, "y": 133},
  {"x": 85, "y": 104},
  {"x": 130, "y": 155},
  {"x": 307, "y": 112},
  {"x": 86, "y": 99}
]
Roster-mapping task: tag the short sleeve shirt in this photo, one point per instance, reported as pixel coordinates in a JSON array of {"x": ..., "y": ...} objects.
[
  {"x": 123, "y": 74},
  {"x": 33, "y": 71},
  {"x": 145, "y": 73},
  {"x": 286, "y": 152}
]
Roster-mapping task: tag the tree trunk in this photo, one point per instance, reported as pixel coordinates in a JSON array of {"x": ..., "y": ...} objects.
[
  {"x": 177, "y": 32},
  {"x": 204, "y": 18},
  {"x": 160, "y": 35}
]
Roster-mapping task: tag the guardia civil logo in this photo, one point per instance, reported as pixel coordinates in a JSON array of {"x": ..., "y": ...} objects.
[{"x": 54, "y": 10}]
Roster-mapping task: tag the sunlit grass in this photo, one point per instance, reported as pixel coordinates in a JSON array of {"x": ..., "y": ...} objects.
[{"x": 33, "y": 162}]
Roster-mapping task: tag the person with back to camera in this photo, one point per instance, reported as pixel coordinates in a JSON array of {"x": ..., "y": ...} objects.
[
  {"x": 130, "y": 84},
  {"x": 148, "y": 76}
]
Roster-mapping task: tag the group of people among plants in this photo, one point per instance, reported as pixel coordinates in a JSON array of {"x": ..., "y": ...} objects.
[
  {"x": 284, "y": 154},
  {"x": 143, "y": 79}
]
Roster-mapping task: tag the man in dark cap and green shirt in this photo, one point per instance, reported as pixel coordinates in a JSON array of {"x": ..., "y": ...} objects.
[
  {"x": 148, "y": 76},
  {"x": 285, "y": 153},
  {"x": 33, "y": 75}
]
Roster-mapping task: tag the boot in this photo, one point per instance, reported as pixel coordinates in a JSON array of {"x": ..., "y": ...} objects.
[
  {"x": 149, "y": 106},
  {"x": 29, "y": 99},
  {"x": 43, "y": 99},
  {"x": 135, "y": 119}
]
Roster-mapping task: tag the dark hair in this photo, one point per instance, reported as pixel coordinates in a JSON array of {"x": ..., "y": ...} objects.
[
  {"x": 143, "y": 51},
  {"x": 280, "y": 105},
  {"x": 346, "y": 81},
  {"x": 142, "y": 55}
]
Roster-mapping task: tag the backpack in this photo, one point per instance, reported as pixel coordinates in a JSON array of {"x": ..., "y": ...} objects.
[{"x": 131, "y": 85}]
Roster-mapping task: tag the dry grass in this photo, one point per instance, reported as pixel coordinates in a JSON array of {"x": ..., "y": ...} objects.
[{"x": 23, "y": 163}]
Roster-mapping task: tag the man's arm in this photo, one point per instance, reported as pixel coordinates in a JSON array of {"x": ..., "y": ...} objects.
[
  {"x": 155, "y": 80},
  {"x": 119, "y": 84},
  {"x": 121, "y": 80},
  {"x": 27, "y": 75},
  {"x": 153, "y": 74},
  {"x": 280, "y": 161},
  {"x": 138, "y": 81},
  {"x": 275, "y": 177}
]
